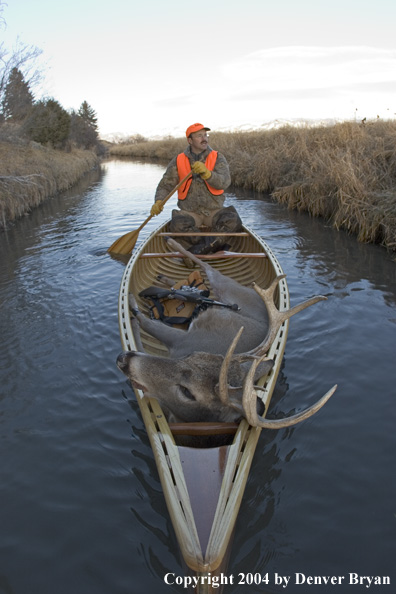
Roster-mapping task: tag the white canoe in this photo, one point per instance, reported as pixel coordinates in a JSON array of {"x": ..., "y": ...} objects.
[{"x": 203, "y": 487}]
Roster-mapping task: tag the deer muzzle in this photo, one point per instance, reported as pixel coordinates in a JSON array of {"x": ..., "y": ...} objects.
[{"x": 123, "y": 360}]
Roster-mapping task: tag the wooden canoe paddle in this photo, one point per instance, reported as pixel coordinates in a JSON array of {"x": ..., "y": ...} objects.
[{"x": 126, "y": 243}]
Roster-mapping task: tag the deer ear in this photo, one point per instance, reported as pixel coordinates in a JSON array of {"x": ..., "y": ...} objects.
[{"x": 264, "y": 368}]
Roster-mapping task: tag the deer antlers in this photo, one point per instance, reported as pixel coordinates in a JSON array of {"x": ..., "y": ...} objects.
[
  {"x": 276, "y": 317},
  {"x": 258, "y": 355},
  {"x": 249, "y": 401}
]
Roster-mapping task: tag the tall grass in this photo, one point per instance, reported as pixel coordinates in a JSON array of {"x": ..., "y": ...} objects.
[
  {"x": 345, "y": 173},
  {"x": 31, "y": 173}
]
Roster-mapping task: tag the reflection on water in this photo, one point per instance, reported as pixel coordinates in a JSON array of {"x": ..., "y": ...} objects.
[{"x": 81, "y": 507}]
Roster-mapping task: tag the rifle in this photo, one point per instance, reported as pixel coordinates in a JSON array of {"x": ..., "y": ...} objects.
[{"x": 186, "y": 293}]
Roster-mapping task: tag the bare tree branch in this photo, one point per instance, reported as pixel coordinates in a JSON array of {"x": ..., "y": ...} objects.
[
  {"x": 23, "y": 57},
  {"x": 3, "y": 23}
]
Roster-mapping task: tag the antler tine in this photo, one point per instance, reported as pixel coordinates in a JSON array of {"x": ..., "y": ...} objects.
[
  {"x": 276, "y": 317},
  {"x": 250, "y": 409},
  {"x": 223, "y": 381},
  {"x": 249, "y": 397}
]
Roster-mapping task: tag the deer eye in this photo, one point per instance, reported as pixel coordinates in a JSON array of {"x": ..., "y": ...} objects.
[{"x": 186, "y": 392}]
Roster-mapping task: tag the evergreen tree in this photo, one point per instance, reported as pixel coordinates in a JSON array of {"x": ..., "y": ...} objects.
[
  {"x": 88, "y": 114},
  {"x": 82, "y": 134},
  {"x": 48, "y": 123},
  {"x": 23, "y": 58},
  {"x": 17, "y": 99}
]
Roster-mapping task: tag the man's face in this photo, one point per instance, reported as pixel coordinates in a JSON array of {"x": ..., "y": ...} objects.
[{"x": 198, "y": 141}]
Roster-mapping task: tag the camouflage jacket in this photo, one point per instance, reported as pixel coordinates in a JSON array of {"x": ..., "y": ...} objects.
[{"x": 199, "y": 199}]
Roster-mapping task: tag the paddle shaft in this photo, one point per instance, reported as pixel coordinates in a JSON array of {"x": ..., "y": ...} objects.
[
  {"x": 126, "y": 243},
  {"x": 165, "y": 200}
]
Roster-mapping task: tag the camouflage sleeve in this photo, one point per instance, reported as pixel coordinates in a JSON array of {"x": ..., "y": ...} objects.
[
  {"x": 169, "y": 180},
  {"x": 220, "y": 178}
]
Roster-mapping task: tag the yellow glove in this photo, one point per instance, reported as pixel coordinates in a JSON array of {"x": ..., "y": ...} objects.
[
  {"x": 156, "y": 208},
  {"x": 200, "y": 168}
]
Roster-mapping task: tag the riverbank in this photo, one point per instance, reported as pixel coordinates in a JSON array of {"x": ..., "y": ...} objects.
[
  {"x": 345, "y": 173},
  {"x": 31, "y": 173}
]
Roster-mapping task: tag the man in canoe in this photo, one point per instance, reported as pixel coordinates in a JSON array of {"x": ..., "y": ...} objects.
[{"x": 201, "y": 198}]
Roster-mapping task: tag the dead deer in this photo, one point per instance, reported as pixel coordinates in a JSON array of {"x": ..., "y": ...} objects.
[{"x": 212, "y": 367}]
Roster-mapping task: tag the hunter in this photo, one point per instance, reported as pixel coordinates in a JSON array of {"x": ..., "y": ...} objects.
[{"x": 201, "y": 198}]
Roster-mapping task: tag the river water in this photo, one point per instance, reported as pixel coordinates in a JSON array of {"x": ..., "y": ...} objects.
[{"x": 81, "y": 507}]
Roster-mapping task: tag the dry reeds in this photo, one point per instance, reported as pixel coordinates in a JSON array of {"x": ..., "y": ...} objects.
[
  {"x": 345, "y": 173},
  {"x": 31, "y": 173},
  {"x": 163, "y": 149}
]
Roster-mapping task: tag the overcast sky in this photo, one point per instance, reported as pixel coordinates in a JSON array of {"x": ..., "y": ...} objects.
[{"x": 156, "y": 66}]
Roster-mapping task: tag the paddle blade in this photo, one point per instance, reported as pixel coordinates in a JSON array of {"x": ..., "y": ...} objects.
[{"x": 125, "y": 244}]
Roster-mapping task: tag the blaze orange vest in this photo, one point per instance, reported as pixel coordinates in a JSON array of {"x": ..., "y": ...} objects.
[{"x": 184, "y": 167}]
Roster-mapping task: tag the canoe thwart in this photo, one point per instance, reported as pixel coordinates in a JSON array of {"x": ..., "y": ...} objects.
[
  {"x": 203, "y": 428},
  {"x": 214, "y": 256},
  {"x": 203, "y": 234}
]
